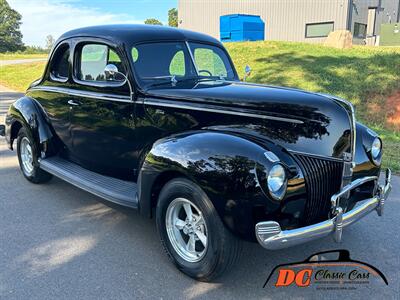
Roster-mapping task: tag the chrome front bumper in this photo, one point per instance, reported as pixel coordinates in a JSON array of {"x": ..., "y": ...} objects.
[{"x": 270, "y": 235}]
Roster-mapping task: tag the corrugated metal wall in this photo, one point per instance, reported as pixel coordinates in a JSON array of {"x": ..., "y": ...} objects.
[
  {"x": 284, "y": 19},
  {"x": 388, "y": 12}
]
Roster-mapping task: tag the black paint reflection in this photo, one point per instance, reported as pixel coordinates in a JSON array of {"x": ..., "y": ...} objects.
[
  {"x": 343, "y": 144},
  {"x": 318, "y": 122}
]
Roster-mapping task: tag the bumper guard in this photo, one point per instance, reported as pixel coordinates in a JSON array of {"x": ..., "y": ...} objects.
[{"x": 270, "y": 235}]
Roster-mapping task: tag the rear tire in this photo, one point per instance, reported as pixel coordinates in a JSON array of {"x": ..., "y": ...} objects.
[
  {"x": 202, "y": 247},
  {"x": 28, "y": 155}
]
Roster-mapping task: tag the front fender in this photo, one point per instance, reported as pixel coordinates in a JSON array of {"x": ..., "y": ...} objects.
[
  {"x": 223, "y": 165},
  {"x": 27, "y": 112},
  {"x": 363, "y": 160}
]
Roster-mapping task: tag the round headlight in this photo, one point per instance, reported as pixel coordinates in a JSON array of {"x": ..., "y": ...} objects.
[
  {"x": 376, "y": 148},
  {"x": 276, "y": 178}
]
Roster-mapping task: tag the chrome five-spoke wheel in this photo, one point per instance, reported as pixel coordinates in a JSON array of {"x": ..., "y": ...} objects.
[
  {"x": 191, "y": 231},
  {"x": 186, "y": 229},
  {"x": 26, "y": 156}
]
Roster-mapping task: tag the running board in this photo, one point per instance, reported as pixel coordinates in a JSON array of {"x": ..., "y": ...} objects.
[{"x": 109, "y": 188}]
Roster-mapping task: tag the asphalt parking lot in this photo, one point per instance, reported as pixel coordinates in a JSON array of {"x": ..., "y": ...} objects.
[{"x": 58, "y": 242}]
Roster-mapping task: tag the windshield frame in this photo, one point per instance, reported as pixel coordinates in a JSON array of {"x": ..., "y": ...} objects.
[{"x": 144, "y": 87}]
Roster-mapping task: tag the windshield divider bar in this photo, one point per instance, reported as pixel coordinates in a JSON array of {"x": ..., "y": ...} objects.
[{"x": 192, "y": 57}]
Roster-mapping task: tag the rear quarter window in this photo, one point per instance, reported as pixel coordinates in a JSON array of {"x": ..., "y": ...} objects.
[{"x": 59, "y": 68}]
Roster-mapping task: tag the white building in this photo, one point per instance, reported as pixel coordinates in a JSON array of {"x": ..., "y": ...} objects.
[{"x": 295, "y": 20}]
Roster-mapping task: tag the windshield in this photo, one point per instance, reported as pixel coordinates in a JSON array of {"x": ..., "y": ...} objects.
[{"x": 171, "y": 62}]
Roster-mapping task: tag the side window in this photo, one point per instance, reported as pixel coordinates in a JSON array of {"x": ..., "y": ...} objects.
[
  {"x": 93, "y": 60},
  {"x": 314, "y": 30},
  {"x": 209, "y": 63},
  {"x": 360, "y": 30},
  {"x": 59, "y": 69},
  {"x": 177, "y": 66}
]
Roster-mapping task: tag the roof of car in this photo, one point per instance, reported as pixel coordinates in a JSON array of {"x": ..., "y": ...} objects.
[{"x": 137, "y": 33}]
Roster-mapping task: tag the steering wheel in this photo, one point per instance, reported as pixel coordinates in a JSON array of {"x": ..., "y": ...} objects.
[{"x": 205, "y": 71}]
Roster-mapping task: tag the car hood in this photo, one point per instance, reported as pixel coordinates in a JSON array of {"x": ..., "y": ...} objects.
[{"x": 300, "y": 121}]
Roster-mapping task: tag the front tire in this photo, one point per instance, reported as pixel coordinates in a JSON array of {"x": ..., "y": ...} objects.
[
  {"x": 192, "y": 233},
  {"x": 28, "y": 155}
]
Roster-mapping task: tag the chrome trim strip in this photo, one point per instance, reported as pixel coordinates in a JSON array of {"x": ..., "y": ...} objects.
[
  {"x": 315, "y": 155},
  {"x": 271, "y": 156},
  {"x": 147, "y": 101},
  {"x": 192, "y": 57},
  {"x": 78, "y": 93},
  {"x": 271, "y": 238},
  {"x": 354, "y": 129}
]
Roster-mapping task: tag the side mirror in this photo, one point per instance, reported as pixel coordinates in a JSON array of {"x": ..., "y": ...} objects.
[
  {"x": 110, "y": 70},
  {"x": 247, "y": 72}
]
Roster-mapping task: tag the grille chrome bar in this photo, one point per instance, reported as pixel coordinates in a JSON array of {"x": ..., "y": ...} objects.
[{"x": 323, "y": 179}]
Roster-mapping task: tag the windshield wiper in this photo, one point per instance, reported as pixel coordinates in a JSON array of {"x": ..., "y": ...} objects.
[
  {"x": 212, "y": 78},
  {"x": 174, "y": 81},
  {"x": 172, "y": 78}
]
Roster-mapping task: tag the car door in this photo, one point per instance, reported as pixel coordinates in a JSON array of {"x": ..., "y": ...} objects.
[
  {"x": 52, "y": 95},
  {"x": 102, "y": 125}
]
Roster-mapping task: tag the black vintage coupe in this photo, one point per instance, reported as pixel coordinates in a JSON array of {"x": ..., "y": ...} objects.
[{"x": 157, "y": 119}]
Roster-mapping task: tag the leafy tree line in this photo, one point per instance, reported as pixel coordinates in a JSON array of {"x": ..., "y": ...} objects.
[
  {"x": 11, "y": 36},
  {"x": 152, "y": 21},
  {"x": 10, "y": 33},
  {"x": 172, "y": 19}
]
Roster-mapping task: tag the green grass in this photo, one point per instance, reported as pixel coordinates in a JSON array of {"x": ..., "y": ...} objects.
[
  {"x": 352, "y": 74},
  {"x": 19, "y": 77},
  {"x": 363, "y": 75},
  {"x": 12, "y": 56}
]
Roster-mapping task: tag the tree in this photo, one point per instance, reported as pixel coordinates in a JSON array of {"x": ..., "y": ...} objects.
[
  {"x": 49, "y": 42},
  {"x": 173, "y": 17},
  {"x": 152, "y": 21},
  {"x": 10, "y": 33}
]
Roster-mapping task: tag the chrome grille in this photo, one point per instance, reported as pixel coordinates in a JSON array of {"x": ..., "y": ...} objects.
[{"x": 323, "y": 178}]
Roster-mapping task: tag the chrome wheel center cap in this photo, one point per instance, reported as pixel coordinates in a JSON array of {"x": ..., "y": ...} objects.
[{"x": 188, "y": 229}]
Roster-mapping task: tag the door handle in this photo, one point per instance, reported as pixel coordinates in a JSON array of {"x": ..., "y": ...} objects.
[{"x": 72, "y": 102}]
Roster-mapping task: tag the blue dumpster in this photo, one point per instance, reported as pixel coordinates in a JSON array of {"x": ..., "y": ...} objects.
[{"x": 237, "y": 27}]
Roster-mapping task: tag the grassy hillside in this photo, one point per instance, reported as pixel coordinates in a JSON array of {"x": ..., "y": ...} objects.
[
  {"x": 368, "y": 77},
  {"x": 362, "y": 75}
]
